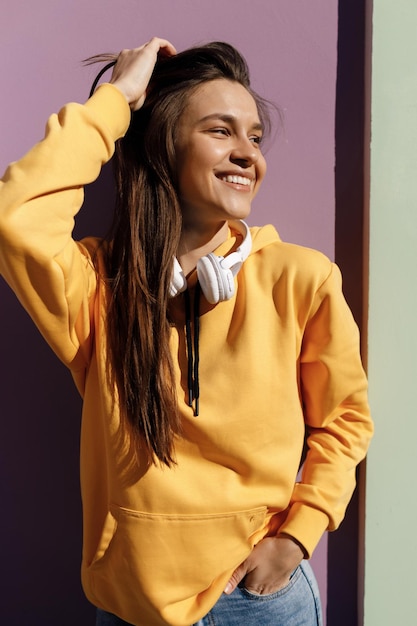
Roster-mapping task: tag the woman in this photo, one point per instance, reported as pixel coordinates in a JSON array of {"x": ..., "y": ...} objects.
[{"x": 204, "y": 351}]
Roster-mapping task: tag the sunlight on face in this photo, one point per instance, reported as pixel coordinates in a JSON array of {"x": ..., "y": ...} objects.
[{"x": 220, "y": 163}]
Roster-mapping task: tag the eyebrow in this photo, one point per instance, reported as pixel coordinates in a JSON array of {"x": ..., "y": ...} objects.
[{"x": 229, "y": 119}]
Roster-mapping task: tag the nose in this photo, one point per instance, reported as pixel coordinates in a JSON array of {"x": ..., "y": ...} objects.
[{"x": 244, "y": 152}]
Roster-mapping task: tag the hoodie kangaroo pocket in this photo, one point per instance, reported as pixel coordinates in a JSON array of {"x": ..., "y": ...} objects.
[{"x": 170, "y": 559}]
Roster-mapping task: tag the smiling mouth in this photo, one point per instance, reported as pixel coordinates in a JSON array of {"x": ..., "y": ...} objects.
[{"x": 237, "y": 180}]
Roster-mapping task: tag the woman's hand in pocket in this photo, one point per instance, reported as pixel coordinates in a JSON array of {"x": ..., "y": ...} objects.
[{"x": 269, "y": 566}]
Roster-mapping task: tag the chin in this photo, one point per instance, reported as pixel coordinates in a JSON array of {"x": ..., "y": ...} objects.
[{"x": 238, "y": 214}]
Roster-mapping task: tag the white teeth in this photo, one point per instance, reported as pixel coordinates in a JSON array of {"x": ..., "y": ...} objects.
[{"x": 240, "y": 180}]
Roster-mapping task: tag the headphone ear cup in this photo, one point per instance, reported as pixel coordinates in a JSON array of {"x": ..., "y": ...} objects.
[
  {"x": 217, "y": 283},
  {"x": 178, "y": 281}
]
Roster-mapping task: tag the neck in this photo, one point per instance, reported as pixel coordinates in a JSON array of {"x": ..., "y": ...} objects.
[{"x": 196, "y": 243}]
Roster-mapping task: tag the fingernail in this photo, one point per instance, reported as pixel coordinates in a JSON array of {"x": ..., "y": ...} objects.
[{"x": 228, "y": 588}]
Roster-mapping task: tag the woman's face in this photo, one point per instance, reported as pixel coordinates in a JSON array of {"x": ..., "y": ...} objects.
[{"x": 220, "y": 163}]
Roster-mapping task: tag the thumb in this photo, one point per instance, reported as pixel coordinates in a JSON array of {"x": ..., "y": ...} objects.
[{"x": 238, "y": 575}]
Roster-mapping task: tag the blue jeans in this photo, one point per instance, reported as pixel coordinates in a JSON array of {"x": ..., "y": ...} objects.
[{"x": 297, "y": 604}]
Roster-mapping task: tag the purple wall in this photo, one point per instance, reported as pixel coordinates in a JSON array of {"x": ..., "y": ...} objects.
[{"x": 291, "y": 50}]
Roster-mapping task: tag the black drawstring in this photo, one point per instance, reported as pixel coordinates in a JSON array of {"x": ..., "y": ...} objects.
[
  {"x": 196, "y": 346},
  {"x": 189, "y": 347},
  {"x": 193, "y": 354}
]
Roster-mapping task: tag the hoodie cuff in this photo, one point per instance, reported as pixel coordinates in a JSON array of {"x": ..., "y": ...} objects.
[
  {"x": 110, "y": 105},
  {"x": 305, "y": 525}
]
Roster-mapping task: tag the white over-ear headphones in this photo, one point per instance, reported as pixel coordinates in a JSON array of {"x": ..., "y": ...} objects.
[{"x": 216, "y": 273}]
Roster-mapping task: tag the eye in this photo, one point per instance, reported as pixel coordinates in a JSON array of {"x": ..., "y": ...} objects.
[
  {"x": 219, "y": 130},
  {"x": 256, "y": 139}
]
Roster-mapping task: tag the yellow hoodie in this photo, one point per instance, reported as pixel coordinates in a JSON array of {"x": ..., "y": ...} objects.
[{"x": 279, "y": 357}]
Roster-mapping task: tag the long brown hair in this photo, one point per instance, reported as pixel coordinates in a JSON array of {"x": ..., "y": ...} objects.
[{"x": 144, "y": 239}]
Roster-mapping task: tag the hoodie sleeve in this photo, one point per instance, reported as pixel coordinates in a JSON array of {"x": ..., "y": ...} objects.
[
  {"x": 50, "y": 273},
  {"x": 339, "y": 426}
]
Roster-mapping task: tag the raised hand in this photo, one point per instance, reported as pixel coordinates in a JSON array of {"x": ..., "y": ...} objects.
[{"x": 134, "y": 68}]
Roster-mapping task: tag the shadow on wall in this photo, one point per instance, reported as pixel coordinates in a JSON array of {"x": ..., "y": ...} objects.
[
  {"x": 346, "y": 547},
  {"x": 39, "y": 456}
]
